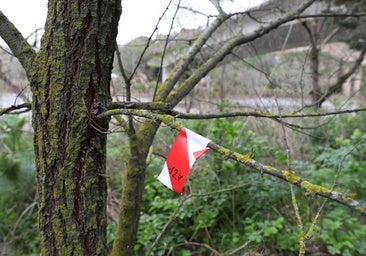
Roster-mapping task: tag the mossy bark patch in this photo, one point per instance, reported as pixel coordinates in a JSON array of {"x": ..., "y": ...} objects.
[{"x": 70, "y": 85}]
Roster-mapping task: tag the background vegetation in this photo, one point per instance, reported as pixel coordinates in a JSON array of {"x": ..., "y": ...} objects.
[{"x": 226, "y": 208}]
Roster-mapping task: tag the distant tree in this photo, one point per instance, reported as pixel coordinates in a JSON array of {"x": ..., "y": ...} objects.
[{"x": 350, "y": 20}]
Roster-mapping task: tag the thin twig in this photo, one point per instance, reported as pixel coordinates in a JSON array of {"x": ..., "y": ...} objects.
[
  {"x": 123, "y": 72},
  {"x": 212, "y": 250},
  {"x": 341, "y": 162},
  {"x": 302, "y": 245},
  {"x": 149, "y": 40},
  {"x": 165, "y": 48},
  {"x": 25, "y": 107}
]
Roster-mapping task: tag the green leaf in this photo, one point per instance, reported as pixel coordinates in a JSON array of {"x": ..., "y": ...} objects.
[{"x": 270, "y": 231}]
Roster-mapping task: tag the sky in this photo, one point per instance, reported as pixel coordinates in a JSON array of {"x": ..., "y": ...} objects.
[{"x": 139, "y": 17}]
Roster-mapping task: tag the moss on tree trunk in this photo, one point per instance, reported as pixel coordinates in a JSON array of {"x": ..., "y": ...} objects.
[
  {"x": 70, "y": 85},
  {"x": 133, "y": 185}
]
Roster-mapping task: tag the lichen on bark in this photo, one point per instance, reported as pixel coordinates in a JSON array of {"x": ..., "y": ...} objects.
[{"x": 70, "y": 85}]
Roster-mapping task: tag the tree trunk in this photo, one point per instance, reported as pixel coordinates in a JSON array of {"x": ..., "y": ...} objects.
[
  {"x": 316, "y": 93},
  {"x": 133, "y": 185},
  {"x": 70, "y": 84}
]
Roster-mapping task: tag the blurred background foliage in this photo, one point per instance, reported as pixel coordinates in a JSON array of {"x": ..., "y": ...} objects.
[{"x": 18, "y": 209}]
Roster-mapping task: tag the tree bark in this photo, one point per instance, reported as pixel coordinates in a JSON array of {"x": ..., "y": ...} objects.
[
  {"x": 70, "y": 79},
  {"x": 316, "y": 92},
  {"x": 132, "y": 189}
]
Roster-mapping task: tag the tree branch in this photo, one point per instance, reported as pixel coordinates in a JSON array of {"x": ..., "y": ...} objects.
[
  {"x": 160, "y": 106},
  {"x": 342, "y": 79},
  {"x": 10, "y": 110},
  {"x": 148, "y": 42},
  {"x": 333, "y": 15},
  {"x": 14, "y": 88},
  {"x": 126, "y": 79},
  {"x": 246, "y": 159},
  {"x": 115, "y": 109},
  {"x": 165, "y": 50},
  {"x": 208, "y": 247},
  {"x": 18, "y": 45}
]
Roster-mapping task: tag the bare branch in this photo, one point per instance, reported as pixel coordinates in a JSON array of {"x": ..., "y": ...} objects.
[
  {"x": 333, "y": 15},
  {"x": 126, "y": 79},
  {"x": 190, "y": 9},
  {"x": 115, "y": 107},
  {"x": 13, "y": 86},
  {"x": 341, "y": 80},
  {"x": 25, "y": 107},
  {"x": 217, "y": 5},
  {"x": 163, "y": 107},
  {"x": 181, "y": 115},
  {"x": 18, "y": 45},
  {"x": 208, "y": 247},
  {"x": 148, "y": 42},
  {"x": 165, "y": 48}
]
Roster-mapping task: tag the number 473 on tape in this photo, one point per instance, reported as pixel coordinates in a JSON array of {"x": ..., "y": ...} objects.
[{"x": 186, "y": 149}]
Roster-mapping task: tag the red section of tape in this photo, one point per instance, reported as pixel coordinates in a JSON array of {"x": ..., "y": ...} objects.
[{"x": 178, "y": 162}]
